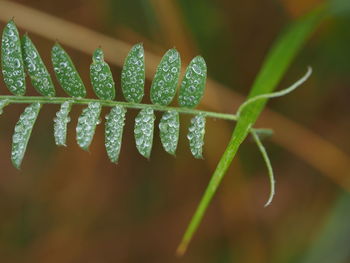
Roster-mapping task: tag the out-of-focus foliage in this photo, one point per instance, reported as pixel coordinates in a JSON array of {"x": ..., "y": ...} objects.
[
  {"x": 331, "y": 244},
  {"x": 78, "y": 207}
]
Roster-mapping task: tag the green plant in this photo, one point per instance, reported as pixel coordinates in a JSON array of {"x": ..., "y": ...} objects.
[{"x": 20, "y": 56}]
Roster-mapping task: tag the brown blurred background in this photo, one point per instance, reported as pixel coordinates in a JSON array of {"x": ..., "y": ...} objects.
[{"x": 67, "y": 205}]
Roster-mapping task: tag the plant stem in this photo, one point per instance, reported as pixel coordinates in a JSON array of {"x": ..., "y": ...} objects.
[
  {"x": 274, "y": 67},
  {"x": 108, "y": 103},
  {"x": 215, "y": 181}
]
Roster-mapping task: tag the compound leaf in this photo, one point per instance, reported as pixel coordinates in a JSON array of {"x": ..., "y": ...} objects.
[
  {"x": 169, "y": 127},
  {"x": 114, "y": 126},
  {"x": 66, "y": 73},
  {"x": 143, "y": 131},
  {"x": 101, "y": 77},
  {"x": 23, "y": 130},
  {"x": 37, "y": 71},
  {"x": 165, "y": 81},
  {"x": 11, "y": 60},
  {"x": 133, "y": 75},
  {"x": 60, "y": 123},
  {"x": 87, "y": 122},
  {"x": 193, "y": 83}
]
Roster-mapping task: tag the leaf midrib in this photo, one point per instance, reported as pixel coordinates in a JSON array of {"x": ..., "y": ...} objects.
[{"x": 108, "y": 103}]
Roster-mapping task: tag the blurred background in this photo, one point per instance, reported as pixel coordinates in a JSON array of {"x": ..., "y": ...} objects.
[{"x": 67, "y": 205}]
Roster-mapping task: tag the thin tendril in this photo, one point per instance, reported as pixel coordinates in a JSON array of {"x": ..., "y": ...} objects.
[
  {"x": 268, "y": 165},
  {"x": 277, "y": 93}
]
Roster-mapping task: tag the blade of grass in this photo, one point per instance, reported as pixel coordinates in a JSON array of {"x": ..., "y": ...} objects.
[{"x": 276, "y": 63}]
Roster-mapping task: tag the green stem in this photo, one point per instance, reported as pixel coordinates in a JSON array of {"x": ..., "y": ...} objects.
[
  {"x": 215, "y": 181},
  {"x": 109, "y": 103},
  {"x": 275, "y": 65},
  {"x": 227, "y": 158}
]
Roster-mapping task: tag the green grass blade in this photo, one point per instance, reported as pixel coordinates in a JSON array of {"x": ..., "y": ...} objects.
[
  {"x": 193, "y": 83},
  {"x": 133, "y": 75},
  {"x": 195, "y": 135},
  {"x": 143, "y": 131},
  {"x": 101, "y": 77},
  {"x": 169, "y": 128},
  {"x": 23, "y": 130},
  {"x": 86, "y": 126},
  {"x": 165, "y": 80},
  {"x": 11, "y": 60},
  {"x": 37, "y": 71},
  {"x": 114, "y": 126},
  {"x": 60, "y": 123},
  {"x": 66, "y": 73},
  {"x": 268, "y": 165},
  {"x": 276, "y": 63}
]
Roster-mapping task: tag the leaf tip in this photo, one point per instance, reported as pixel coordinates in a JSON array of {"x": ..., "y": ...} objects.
[
  {"x": 139, "y": 47},
  {"x": 12, "y": 21},
  {"x": 86, "y": 149},
  {"x": 98, "y": 55},
  {"x": 181, "y": 249},
  {"x": 16, "y": 164},
  {"x": 57, "y": 44}
]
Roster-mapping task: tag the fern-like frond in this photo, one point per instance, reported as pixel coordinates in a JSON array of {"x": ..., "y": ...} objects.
[{"x": 20, "y": 56}]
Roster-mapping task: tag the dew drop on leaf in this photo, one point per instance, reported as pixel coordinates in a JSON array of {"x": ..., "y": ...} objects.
[
  {"x": 133, "y": 75},
  {"x": 165, "y": 81},
  {"x": 143, "y": 131},
  {"x": 37, "y": 71},
  {"x": 11, "y": 60},
  {"x": 60, "y": 123},
  {"x": 101, "y": 77},
  {"x": 195, "y": 135},
  {"x": 66, "y": 73},
  {"x": 114, "y": 126},
  {"x": 169, "y": 127},
  {"x": 86, "y": 126},
  {"x": 193, "y": 84},
  {"x": 23, "y": 130}
]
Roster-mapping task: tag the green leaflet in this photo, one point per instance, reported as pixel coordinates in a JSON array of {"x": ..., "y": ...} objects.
[
  {"x": 3, "y": 104},
  {"x": 87, "y": 122},
  {"x": 101, "y": 77},
  {"x": 23, "y": 130},
  {"x": 169, "y": 127},
  {"x": 143, "y": 131},
  {"x": 37, "y": 71},
  {"x": 133, "y": 75},
  {"x": 166, "y": 78},
  {"x": 60, "y": 123},
  {"x": 195, "y": 135},
  {"x": 66, "y": 73},
  {"x": 114, "y": 126},
  {"x": 193, "y": 83},
  {"x": 11, "y": 60}
]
